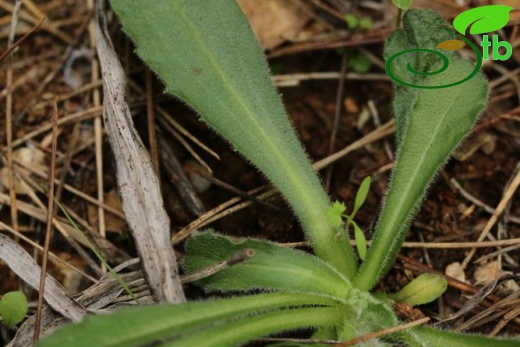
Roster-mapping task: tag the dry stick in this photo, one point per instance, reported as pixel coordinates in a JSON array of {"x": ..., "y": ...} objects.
[
  {"x": 51, "y": 255},
  {"x": 489, "y": 314},
  {"x": 337, "y": 113},
  {"x": 213, "y": 269},
  {"x": 500, "y": 208},
  {"x": 172, "y": 167},
  {"x": 209, "y": 217},
  {"x": 381, "y": 132},
  {"x": 383, "y": 332},
  {"x": 477, "y": 202},
  {"x": 136, "y": 179},
  {"x": 237, "y": 191},
  {"x": 78, "y": 91},
  {"x": 507, "y": 317},
  {"x": 170, "y": 129},
  {"x": 434, "y": 245},
  {"x": 73, "y": 190},
  {"x": 9, "y": 120},
  {"x": 501, "y": 251},
  {"x": 91, "y": 112},
  {"x": 98, "y": 126},
  {"x": 48, "y": 231},
  {"x": 17, "y": 43},
  {"x": 151, "y": 121},
  {"x": 293, "y": 80},
  {"x": 455, "y": 245},
  {"x": 58, "y": 226},
  {"x": 375, "y": 115},
  {"x": 49, "y": 27}
]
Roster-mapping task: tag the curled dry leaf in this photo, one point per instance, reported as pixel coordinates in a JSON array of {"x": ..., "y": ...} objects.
[
  {"x": 274, "y": 21},
  {"x": 456, "y": 271},
  {"x": 487, "y": 273}
]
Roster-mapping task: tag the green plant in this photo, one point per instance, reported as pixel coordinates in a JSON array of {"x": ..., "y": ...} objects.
[
  {"x": 13, "y": 307},
  {"x": 205, "y": 53},
  {"x": 359, "y": 62}
]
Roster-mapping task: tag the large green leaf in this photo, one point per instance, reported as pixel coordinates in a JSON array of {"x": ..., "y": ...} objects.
[
  {"x": 272, "y": 267},
  {"x": 207, "y": 55},
  {"x": 430, "y": 337},
  {"x": 137, "y": 326},
  {"x": 430, "y": 125},
  {"x": 247, "y": 328}
]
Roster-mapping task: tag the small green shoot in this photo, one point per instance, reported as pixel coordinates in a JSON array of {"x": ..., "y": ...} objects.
[
  {"x": 359, "y": 62},
  {"x": 422, "y": 290},
  {"x": 365, "y": 23},
  {"x": 352, "y": 21},
  {"x": 402, "y": 4},
  {"x": 13, "y": 307},
  {"x": 336, "y": 214}
]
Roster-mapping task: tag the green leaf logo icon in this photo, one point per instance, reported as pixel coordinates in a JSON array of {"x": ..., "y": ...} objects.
[{"x": 482, "y": 19}]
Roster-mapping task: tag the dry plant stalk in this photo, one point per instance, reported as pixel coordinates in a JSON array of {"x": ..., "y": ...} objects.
[{"x": 137, "y": 181}]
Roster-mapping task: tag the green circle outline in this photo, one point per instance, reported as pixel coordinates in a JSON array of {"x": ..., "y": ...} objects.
[{"x": 478, "y": 65}]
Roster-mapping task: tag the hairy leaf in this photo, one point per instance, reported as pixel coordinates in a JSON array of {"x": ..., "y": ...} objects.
[
  {"x": 361, "y": 195},
  {"x": 421, "y": 290},
  {"x": 241, "y": 330},
  {"x": 138, "y": 326},
  {"x": 430, "y": 125},
  {"x": 207, "y": 55},
  {"x": 430, "y": 337},
  {"x": 272, "y": 267}
]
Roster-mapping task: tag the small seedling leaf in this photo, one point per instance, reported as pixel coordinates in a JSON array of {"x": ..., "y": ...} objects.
[
  {"x": 334, "y": 213},
  {"x": 359, "y": 63},
  {"x": 13, "y": 307},
  {"x": 352, "y": 21},
  {"x": 361, "y": 195},
  {"x": 361, "y": 242},
  {"x": 482, "y": 19},
  {"x": 402, "y": 4},
  {"x": 365, "y": 23},
  {"x": 422, "y": 290},
  {"x": 451, "y": 45}
]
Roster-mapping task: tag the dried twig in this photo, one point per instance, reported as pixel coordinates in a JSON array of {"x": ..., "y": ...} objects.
[{"x": 50, "y": 214}]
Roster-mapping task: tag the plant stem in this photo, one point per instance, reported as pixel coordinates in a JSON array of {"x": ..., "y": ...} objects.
[{"x": 310, "y": 204}]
